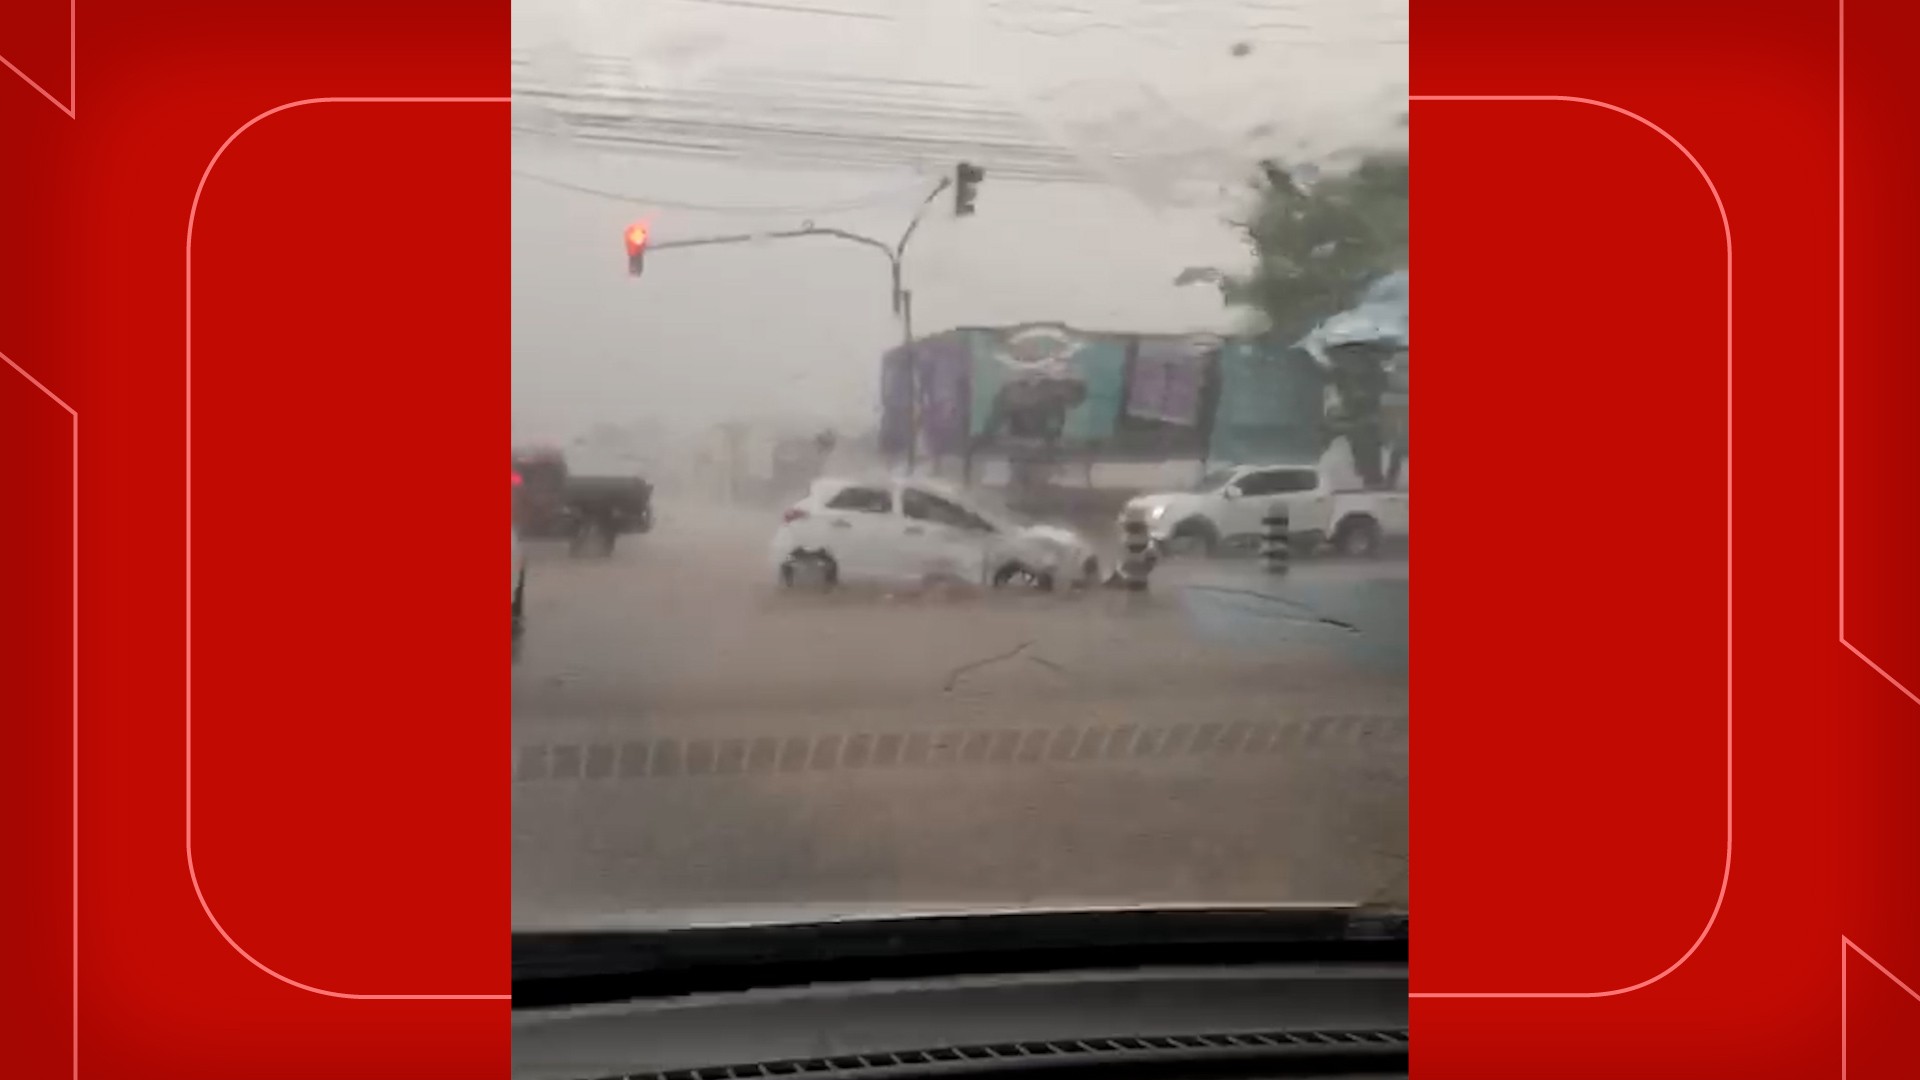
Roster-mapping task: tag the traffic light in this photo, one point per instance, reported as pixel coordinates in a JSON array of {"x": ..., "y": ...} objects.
[
  {"x": 636, "y": 248},
  {"x": 966, "y": 183}
]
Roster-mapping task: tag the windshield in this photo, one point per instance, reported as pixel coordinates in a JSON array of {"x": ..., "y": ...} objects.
[{"x": 1046, "y": 258}]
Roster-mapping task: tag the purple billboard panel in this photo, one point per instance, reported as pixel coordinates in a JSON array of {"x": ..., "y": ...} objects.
[
  {"x": 1168, "y": 380},
  {"x": 945, "y": 368},
  {"x": 938, "y": 372}
]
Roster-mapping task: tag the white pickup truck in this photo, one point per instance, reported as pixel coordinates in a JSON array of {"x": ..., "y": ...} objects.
[{"x": 1226, "y": 507}]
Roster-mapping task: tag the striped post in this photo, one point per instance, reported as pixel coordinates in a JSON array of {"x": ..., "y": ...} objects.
[
  {"x": 1137, "y": 559},
  {"x": 1275, "y": 545}
]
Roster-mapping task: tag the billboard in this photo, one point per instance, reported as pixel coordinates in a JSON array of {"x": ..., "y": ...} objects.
[
  {"x": 1044, "y": 384},
  {"x": 1116, "y": 396}
]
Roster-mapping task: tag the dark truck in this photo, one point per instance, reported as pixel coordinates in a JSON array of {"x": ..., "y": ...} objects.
[{"x": 589, "y": 512}]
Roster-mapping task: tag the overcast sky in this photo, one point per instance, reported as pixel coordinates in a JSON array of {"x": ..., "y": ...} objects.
[{"x": 1147, "y": 118}]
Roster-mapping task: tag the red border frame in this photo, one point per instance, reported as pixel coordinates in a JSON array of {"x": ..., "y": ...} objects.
[{"x": 1825, "y": 803}]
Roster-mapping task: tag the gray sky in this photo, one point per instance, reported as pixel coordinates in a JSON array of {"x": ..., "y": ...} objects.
[{"x": 1138, "y": 112}]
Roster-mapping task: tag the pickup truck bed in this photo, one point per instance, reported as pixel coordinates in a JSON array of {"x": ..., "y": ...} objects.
[{"x": 1365, "y": 521}]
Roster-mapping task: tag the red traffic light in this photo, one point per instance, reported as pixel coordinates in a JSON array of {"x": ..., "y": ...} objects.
[{"x": 636, "y": 237}]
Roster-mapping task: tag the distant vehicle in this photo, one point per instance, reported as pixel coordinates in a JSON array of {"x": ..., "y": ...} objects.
[
  {"x": 1226, "y": 507},
  {"x": 589, "y": 512},
  {"x": 917, "y": 531}
]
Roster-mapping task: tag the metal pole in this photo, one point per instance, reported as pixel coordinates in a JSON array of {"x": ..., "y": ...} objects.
[
  {"x": 905, "y": 302},
  {"x": 901, "y": 298},
  {"x": 1275, "y": 538},
  {"x": 1137, "y": 557},
  {"x": 903, "y": 306}
]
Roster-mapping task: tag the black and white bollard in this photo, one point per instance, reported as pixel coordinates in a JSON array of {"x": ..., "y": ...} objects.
[
  {"x": 1276, "y": 546},
  {"x": 1137, "y": 556}
]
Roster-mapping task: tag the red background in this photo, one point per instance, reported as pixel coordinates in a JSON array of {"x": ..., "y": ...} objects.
[{"x": 1570, "y": 803}]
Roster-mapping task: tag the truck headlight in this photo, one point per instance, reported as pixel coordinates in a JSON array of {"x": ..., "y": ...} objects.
[{"x": 1156, "y": 513}]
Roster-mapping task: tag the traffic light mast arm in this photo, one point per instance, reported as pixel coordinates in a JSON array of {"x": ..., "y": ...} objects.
[
  {"x": 900, "y": 249},
  {"x": 809, "y": 229},
  {"x": 966, "y": 176},
  {"x": 894, "y": 253}
]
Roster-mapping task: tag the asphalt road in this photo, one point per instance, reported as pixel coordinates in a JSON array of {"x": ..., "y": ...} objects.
[{"x": 690, "y": 742}]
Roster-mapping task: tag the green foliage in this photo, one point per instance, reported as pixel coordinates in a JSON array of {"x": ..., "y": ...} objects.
[{"x": 1317, "y": 245}]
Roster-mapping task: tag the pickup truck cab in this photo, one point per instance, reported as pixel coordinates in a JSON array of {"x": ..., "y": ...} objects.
[{"x": 1224, "y": 510}]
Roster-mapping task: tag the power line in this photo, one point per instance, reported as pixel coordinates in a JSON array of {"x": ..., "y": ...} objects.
[
  {"x": 755, "y": 144},
  {"x": 800, "y": 126},
  {"x": 616, "y": 99},
  {"x": 873, "y": 199},
  {"x": 823, "y": 119},
  {"x": 828, "y": 153}
]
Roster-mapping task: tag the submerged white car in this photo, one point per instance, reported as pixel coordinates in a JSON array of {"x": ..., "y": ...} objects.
[{"x": 916, "y": 531}]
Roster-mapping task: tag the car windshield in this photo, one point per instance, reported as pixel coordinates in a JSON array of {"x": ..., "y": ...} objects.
[{"x": 1045, "y": 258}]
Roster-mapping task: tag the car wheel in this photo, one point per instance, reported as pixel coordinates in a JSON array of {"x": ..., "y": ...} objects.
[
  {"x": 1194, "y": 535},
  {"x": 809, "y": 569},
  {"x": 1090, "y": 572},
  {"x": 1357, "y": 536},
  {"x": 1017, "y": 576}
]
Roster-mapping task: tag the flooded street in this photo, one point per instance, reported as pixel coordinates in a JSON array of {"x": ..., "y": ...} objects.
[{"x": 689, "y": 738}]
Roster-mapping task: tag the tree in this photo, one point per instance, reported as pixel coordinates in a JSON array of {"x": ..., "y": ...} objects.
[{"x": 1318, "y": 244}]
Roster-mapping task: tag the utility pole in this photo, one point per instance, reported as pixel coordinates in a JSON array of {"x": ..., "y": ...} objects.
[
  {"x": 965, "y": 181},
  {"x": 903, "y": 307},
  {"x": 913, "y": 379}
]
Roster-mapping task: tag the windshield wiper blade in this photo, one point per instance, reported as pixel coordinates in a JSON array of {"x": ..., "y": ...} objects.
[{"x": 572, "y": 967}]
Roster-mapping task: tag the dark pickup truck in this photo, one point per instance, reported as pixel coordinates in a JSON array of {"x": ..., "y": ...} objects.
[{"x": 589, "y": 512}]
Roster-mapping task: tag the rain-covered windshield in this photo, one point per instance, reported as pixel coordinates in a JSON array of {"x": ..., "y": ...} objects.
[{"x": 1048, "y": 257}]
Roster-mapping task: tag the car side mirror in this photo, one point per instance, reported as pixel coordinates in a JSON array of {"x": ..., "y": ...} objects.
[{"x": 1230, "y": 492}]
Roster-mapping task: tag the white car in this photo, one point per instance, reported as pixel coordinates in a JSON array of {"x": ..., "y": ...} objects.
[
  {"x": 1226, "y": 507},
  {"x": 915, "y": 531}
]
